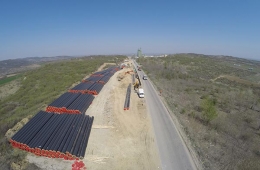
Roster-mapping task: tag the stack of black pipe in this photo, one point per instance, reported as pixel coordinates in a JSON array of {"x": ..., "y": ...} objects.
[
  {"x": 65, "y": 100},
  {"x": 83, "y": 86},
  {"x": 81, "y": 103},
  {"x": 63, "y": 135},
  {"x": 60, "y": 133},
  {"x": 105, "y": 79},
  {"x": 71, "y": 103},
  {"x": 103, "y": 72},
  {"x": 28, "y": 131},
  {"x": 93, "y": 79},
  {"x": 96, "y": 87},
  {"x": 110, "y": 70},
  {"x": 94, "y": 83},
  {"x": 127, "y": 97}
]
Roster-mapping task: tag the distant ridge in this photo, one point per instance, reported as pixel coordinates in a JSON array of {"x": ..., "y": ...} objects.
[{"x": 11, "y": 66}]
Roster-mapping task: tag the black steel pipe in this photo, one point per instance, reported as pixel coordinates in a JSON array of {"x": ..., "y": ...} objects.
[
  {"x": 79, "y": 136},
  {"x": 74, "y": 134},
  {"x": 27, "y": 126},
  {"x": 85, "y": 142}
]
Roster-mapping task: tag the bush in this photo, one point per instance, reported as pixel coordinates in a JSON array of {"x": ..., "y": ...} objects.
[{"x": 208, "y": 109}]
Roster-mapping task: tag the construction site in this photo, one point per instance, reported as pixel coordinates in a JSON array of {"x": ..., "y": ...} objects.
[{"x": 100, "y": 123}]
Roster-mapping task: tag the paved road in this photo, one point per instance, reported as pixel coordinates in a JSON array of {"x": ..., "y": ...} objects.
[{"x": 173, "y": 152}]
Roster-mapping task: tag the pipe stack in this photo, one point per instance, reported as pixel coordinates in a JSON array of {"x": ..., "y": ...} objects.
[
  {"x": 127, "y": 97},
  {"x": 56, "y": 136},
  {"x": 63, "y": 135}
]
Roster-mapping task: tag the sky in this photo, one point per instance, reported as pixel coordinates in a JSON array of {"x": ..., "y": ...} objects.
[{"x": 30, "y": 28}]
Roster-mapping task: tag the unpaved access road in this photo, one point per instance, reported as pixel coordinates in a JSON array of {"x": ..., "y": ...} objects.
[{"x": 119, "y": 139}]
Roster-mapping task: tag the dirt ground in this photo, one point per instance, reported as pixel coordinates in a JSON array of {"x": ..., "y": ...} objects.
[{"x": 119, "y": 139}]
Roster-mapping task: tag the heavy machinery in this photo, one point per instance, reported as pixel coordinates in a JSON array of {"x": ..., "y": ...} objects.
[
  {"x": 136, "y": 85},
  {"x": 139, "y": 91}
]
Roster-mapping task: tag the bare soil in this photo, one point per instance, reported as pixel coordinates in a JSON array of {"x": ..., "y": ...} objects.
[{"x": 119, "y": 139}]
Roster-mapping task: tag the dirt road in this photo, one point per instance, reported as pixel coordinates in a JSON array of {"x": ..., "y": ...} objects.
[{"x": 119, "y": 139}]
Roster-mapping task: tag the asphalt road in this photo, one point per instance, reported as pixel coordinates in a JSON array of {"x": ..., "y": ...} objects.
[{"x": 173, "y": 152}]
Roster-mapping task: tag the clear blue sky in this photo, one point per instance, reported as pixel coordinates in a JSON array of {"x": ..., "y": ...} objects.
[{"x": 52, "y": 27}]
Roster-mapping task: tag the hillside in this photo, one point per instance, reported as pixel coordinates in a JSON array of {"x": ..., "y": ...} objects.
[
  {"x": 216, "y": 100},
  {"x": 37, "y": 89},
  {"x": 12, "y": 66}
]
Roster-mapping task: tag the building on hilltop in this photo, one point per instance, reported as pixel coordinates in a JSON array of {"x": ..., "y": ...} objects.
[{"x": 139, "y": 53}]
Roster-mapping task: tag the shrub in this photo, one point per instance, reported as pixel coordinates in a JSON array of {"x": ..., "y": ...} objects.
[{"x": 208, "y": 109}]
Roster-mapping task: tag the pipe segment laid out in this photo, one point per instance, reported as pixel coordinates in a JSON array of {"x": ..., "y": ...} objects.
[{"x": 127, "y": 97}]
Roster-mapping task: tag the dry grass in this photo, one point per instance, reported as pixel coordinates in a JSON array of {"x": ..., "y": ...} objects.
[{"x": 229, "y": 140}]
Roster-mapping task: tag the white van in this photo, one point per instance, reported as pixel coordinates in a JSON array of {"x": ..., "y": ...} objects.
[{"x": 141, "y": 93}]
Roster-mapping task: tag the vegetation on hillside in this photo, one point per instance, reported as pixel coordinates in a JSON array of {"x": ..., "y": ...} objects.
[
  {"x": 8, "y": 79},
  {"x": 38, "y": 89},
  {"x": 217, "y": 100}
]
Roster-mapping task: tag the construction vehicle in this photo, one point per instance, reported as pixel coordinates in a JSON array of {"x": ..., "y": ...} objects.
[
  {"x": 128, "y": 72},
  {"x": 136, "y": 85},
  {"x": 140, "y": 91}
]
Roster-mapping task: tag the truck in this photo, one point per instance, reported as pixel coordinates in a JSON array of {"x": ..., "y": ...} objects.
[{"x": 141, "y": 93}]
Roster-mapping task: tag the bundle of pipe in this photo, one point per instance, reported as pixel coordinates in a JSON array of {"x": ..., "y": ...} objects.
[
  {"x": 103, "y": 72},
  {"x": 97, "y": 75},
  {"x": 110, "y": 70},
  {"x": 60, "y": 104},
  {"x": 92, "y": 79},
  {"x": 78, "y": 105},
  {"x": 104, "y": 79},
  {"x": 114, "y": 68},
  {"x": 82, "y": 103},
  {"x": 64, "y": 100},
  {"x": 82, "y": 86},
  {"x": 127, "y": 97},
  {"x": 95, "y": 89},
  {"x": 57, "y": 136}
]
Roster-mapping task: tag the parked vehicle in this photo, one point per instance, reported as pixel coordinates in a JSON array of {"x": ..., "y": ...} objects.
[{"x": 141, "y": 93}]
